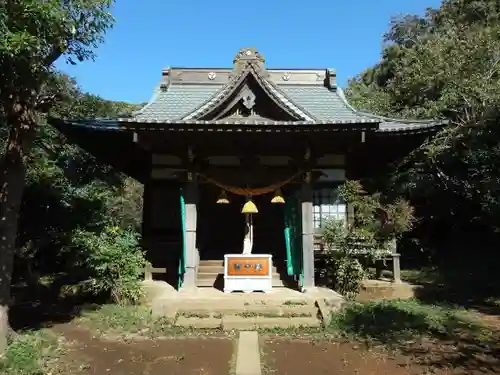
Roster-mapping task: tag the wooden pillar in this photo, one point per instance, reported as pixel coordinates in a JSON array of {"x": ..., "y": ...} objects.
[
  {"x": 307, "y": 234},
  {"x": 191, "y": 200}
]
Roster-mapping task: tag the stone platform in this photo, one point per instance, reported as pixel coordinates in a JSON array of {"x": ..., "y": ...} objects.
[{"x": 279, "y": 308}]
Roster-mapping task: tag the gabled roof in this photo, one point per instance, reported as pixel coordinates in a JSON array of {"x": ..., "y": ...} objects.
[
  {"x": 246, "y": 69},
  {"x": 308, "y": 96}
]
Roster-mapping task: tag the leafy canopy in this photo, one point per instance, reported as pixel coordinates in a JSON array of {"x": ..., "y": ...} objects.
[
  {"x": 446, "y": 64},
  {"x": 35, "y": 33}
]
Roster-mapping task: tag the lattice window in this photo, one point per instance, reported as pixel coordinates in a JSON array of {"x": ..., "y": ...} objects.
[{"x": 327, "y": 204}]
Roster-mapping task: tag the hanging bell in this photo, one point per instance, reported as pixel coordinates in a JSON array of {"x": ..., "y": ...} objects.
[
  {"x": 278, "y": 197},
  {"x": 249, "y": 208},
  {"x": 222, "y": 198}
]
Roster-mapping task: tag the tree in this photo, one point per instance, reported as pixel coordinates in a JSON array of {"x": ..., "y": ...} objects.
[
  {"x": 446, "y": 64},
  {"x": 33, "y": 35}
]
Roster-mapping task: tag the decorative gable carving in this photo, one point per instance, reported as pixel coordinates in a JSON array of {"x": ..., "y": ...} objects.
[
  {"x": 249, "y": 101},
  {"x": 248, "y": 94}
]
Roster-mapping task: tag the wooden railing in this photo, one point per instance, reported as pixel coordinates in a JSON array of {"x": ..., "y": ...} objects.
[{"x": 150, "y": 270}]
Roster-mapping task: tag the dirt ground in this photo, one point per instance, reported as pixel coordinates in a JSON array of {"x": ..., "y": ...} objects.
[
  {"x": 294, "y": 357},
  {"x": 91, "y": 355}
]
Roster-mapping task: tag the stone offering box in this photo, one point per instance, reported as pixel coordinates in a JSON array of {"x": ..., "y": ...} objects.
[{"x": 248, "y": 273}]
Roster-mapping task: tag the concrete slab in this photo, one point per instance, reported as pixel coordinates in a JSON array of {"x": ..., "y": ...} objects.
[
  {"x": 276, "y": 295},
  {"x": 198, "y": 323},
  {"x": 248, "y": 354},
  {"x": 154, "y": 290}
]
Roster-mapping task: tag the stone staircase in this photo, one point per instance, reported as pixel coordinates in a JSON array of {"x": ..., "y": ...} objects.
[
  {"x": 210, "y": 308},
  {"x": 211, "y": 274},
  {"x": 248, "y": 315}
]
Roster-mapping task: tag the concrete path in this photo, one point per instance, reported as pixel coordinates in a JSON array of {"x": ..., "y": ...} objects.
[{"x": 248, "y": 354}]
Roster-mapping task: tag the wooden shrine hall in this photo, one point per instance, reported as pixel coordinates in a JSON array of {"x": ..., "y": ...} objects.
[{"x": 222, "y": 150}]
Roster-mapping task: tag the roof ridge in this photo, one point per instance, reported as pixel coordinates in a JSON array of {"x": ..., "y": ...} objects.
[{"x": 156, "y": 92}]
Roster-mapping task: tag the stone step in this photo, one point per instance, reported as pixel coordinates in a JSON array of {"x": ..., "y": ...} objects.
[
  {"x": 212, "y": 275},
  {"x": 236, "y": 322},
  {"x": 219, "y": 269},
  {"x": 198, "y": 323},
  {"x": 220, "y": 263},
  {"x": 234, "y": 304},
  {"x": 215, "y": 263},
  {"x": 210, "y": 281},
  {"x": 303, "y": 311}
]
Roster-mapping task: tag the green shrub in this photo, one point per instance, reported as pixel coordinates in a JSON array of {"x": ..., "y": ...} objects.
[
  {"x": 343, "y": 271},
  {"x": 368, "y": 237},
  {"x": 115, "y": 263},
  {"x": 32, "y": 353}
]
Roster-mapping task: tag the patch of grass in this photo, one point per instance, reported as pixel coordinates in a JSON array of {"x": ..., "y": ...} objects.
[
  {"x": 251, "y": 314},
  {"x": 199, "y": 315},
  {"x": 129, "y": 321},
  {"x": 396, "y": 321},
  {"x": 248, "y": 314},
  {"x": 295, "y": 303},
  {"x": 291, "y": 331},
  {"x": 31, "y": 353},
  {"x": 295, "y": 315},
  {"x": 133, "y": 321},
  {"x": 421, "y": 276}
]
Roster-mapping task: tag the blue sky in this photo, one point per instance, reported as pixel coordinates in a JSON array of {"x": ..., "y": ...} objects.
[{"x": 150, "y": 35}]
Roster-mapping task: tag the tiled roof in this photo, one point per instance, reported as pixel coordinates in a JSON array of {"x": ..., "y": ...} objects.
[
  {"x": 175, "y": 102},
  {"x": 311, "y": 97},
  {"x": 323, "y": 104},
  {"x": 326, "y": 106}
]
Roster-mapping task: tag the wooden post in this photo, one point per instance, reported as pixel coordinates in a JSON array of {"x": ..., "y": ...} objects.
[
  {"x": 191, "y": 199},
  {"x": 307, "y": 234}
]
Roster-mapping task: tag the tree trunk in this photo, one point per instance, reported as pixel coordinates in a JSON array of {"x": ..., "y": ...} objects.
[{"x": 13, "y": 168}]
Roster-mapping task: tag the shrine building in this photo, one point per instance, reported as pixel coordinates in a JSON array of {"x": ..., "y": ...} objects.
[{"x": 273, "y": 143}]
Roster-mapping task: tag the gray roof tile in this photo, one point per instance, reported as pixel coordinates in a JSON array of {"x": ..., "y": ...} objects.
[
  {"x": 175, "y": 102},
  {"x": 325, "y": 105},
  {"x": 322, "y": 103}
]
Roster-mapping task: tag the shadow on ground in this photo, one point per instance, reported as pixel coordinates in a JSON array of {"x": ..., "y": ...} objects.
[
  {"x": 438, "y": 337},
  {"x": 41, "y": 305}
]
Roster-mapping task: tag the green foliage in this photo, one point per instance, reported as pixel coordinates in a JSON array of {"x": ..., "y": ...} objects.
[
  {"x": 445, "y": 64},
  {"x": 343, "y": 270},
  {"x": 67, "y": 189},
  {"x": 366, "y": 239},
  {"x": 395, "y": 322},
  {"x": 34, "y": 34},
  {"x": 386, "y": 220},
  {"x": 31, "y": 353},
  {"x": 114, "y": 261}
]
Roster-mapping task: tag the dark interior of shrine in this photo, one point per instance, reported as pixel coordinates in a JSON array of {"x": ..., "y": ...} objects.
[{"x": 221, "y": 227}]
